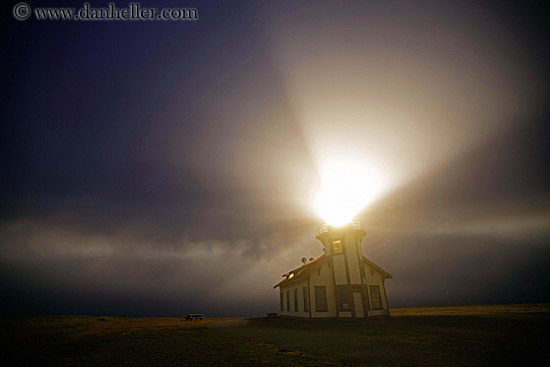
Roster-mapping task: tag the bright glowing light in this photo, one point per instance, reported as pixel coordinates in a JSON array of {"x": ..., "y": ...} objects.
[{"x": 346, "y": 186}]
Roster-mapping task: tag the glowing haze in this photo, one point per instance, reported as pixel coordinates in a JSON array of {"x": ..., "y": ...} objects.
[
  {"x": 160, "y": 168},
  {"x": 381, "y": 106},
  {"x": 346, "y": 185}
]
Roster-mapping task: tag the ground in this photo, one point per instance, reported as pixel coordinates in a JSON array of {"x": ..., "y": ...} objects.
[{"x": 442, "y": 336}]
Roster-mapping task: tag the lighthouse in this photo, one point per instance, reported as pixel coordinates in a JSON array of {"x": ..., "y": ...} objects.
[{"x": 340, "y": 283}]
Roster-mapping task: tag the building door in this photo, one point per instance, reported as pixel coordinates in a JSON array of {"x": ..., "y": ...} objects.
[{"x": 358, "y": 302}]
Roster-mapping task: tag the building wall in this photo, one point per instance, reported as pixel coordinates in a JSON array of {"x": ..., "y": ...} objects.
[
  {"x": 322, "y": 277},
  {"x": 353, "y": 260},
  {"x": 374, "y": 277},
  {"x": 340, "y": 276},
  {"x": 290, "y": 287}
]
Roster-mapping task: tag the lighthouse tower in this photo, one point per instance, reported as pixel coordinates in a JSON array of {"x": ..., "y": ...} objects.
[{"x": 342, "y": 245}]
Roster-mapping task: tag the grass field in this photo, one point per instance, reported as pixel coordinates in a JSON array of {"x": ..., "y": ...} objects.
[{"x": 498, "y": 335}]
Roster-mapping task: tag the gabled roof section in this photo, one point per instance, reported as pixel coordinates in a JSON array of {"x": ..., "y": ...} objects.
[
  {"x": 385, "y": 274},
  {"x": 307, "y": 268},
  {"x": 301, "y": 272}
]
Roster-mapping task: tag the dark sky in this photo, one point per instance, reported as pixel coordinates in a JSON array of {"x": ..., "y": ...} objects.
[{"x": 161, "y": 168}]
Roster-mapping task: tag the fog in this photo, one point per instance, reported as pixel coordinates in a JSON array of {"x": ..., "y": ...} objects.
[{"x": 161, "y": 168}]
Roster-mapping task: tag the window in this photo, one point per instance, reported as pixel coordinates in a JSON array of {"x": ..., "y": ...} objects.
[
  {"x": 321, "y": 299},
  {"x": 282, "y": 309},
  {"x": 375, "y": 297},
  {"x": 342, "y": 294},
  {"x": 288, "y": 300},
  {"x": 337, "y": 246},
  {"x": 305, "y": 298},
  {"x": 295, "y": 299}
]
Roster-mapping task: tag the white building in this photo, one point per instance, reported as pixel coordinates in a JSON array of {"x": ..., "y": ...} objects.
[{"x": 341, "y": 283}]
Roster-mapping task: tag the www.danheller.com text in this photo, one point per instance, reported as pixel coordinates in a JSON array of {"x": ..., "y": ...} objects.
[{"x": 134, "y": 11}]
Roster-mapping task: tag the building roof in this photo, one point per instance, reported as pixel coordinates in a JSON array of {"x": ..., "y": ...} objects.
[
  {"x": 384, "y": 273},
  {"x": 301, "y": 272},
  {"x": 304, "y": 270}
]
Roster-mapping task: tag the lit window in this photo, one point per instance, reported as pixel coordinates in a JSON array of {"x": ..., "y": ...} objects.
[{"x": 337, "y": 246}]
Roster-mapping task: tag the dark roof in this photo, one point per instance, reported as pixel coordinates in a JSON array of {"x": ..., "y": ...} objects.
[{"x": 304, "y": 270}]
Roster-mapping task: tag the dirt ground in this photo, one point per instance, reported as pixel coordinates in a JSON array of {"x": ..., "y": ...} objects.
[{"x": 501, "y": 335}]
